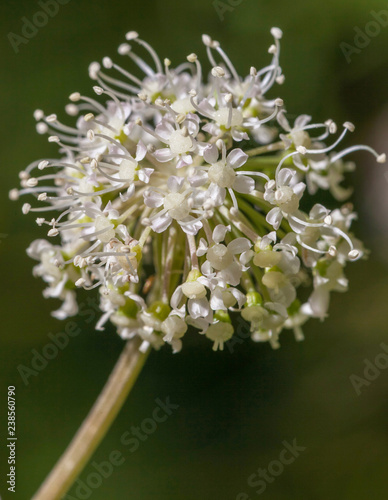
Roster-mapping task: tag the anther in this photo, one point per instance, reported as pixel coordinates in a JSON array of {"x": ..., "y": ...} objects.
[
  {"x": 107, "y": 62},
  {"x": 328, "y": 220},
  {"x": 38, "y": 114},
  {"x": 192, "y": 57},
  {"x": 349, "y": 126},
  {"x": 94, "y": 69},
  {"x": 124, "y": 49},
  {"x": 98, "y": 90},
  {"x": 14, "y": 194},
  {"x": 41, "y": 128},
  {"x": 353, "y": 254},
  {"x": 71, "y": 109},
  {"x": 132, "y": 35},
  {"x": 207, "y": 40},
  {"x": 277, "y": 33},
  {"x": 75, "y": 96},
  {"x": 26, "y": 208},
  {"x": 43, "y": 164},
  {"x": 218, "y": 72}
]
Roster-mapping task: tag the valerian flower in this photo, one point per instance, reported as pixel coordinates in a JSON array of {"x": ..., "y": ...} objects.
[{"x": 181, "y": 199}]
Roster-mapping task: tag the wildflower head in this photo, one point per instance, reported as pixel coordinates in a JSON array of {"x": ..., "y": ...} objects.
[{"x": 180, "y": 198}]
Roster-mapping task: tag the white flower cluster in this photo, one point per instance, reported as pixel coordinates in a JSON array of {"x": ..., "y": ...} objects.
[{"x": 181, "y": 201}]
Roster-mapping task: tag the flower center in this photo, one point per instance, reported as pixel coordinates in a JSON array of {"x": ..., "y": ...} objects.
[
  {"x": 183, "y": 106},
  {"x": 219, "y": 256},
  {"x": 180, "y": 144},
  {"x": 222, "y": 116},
  {"x": 300, "y": 138},
  {"x": 106, "y": 227},
  {"x": 267, "y": 258},
  {"x": 176, "y": 205},
  {"x": 222, "y": 175},
  {"x": 127, "y": 170},
  {"x": 286, "y": 199},
  {"x": 194, "y": 290}
]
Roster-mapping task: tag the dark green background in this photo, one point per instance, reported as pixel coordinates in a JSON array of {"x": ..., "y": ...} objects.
[{"x": 235, "y": 410}]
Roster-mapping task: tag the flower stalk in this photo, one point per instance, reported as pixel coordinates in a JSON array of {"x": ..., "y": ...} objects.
[{"x": 96, "y": 424}]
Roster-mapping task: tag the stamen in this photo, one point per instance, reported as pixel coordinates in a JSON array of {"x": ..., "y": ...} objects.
[
  {"x": 379, "y": 158},
  {"x": 151, "y": 51}
]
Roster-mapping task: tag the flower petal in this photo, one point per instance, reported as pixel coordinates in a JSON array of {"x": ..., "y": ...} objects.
[
  {"x": 210, "y": 154},
  {"x": 239, "y": 245},
  {"x": 236, "y": 158},
  {"x": 244, "y": 184}
]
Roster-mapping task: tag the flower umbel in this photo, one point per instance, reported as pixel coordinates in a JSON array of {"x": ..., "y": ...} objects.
[{"x": 181, "y": 201}]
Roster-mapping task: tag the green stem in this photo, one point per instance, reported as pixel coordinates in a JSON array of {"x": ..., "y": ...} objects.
[
  {"x": 276, "y": 146},
  {"x": 96, "y": 424}
]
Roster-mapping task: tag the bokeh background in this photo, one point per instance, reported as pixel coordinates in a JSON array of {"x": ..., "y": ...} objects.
[{"x": 235, "y": 410}]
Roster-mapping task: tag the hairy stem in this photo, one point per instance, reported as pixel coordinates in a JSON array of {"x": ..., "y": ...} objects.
[{"x": 96, "y": 424}]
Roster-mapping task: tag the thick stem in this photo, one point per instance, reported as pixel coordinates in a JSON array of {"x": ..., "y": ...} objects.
[{"x": 96, "y": 424}]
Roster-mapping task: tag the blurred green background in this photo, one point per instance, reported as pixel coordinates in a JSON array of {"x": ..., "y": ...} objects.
[{"x": 234, "y": 409}]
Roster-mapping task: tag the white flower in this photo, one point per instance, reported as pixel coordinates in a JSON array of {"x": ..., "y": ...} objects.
[
  {"x": 219, "y": 332},
  {"x": 152, "y": 209},
  {"x": 223, "y": 174},
  {"x": 285, "y": 194},
  {"x": 181, "y": 142},
  {"x": 222, "y": 258},
  {"x": 177, "y": 203}
]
